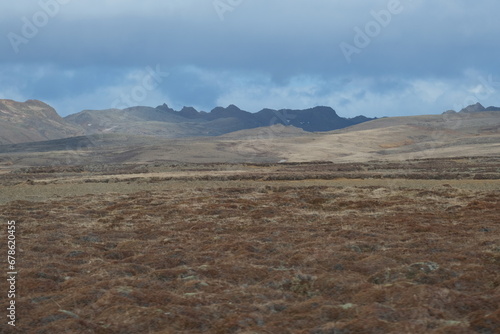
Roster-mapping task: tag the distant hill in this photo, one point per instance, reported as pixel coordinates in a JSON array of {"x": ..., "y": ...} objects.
[
  {"x": 30, "y": 121},
  {"x": 188, "y": 122},
  {"x": 478, "y": 107}
]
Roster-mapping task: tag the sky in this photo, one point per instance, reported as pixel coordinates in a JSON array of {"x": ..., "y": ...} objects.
[{"x": 376, "y": 58}]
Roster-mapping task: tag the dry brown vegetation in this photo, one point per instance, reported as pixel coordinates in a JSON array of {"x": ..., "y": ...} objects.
[{"x": 268, "y": 255}]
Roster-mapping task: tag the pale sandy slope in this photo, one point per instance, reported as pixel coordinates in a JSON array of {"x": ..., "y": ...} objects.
[{"x": 391, "y": 138}]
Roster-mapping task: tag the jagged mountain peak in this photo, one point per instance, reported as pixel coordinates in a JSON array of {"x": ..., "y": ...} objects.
[
  {"x": 232, "y": 107},
  {"x": 478, "y": 107},
  {"x": 189, "y": 112},
  {"x": 473, "y": 108},
  {"x": 165, "y": 107},
  {"x": 229, "y": 108}
]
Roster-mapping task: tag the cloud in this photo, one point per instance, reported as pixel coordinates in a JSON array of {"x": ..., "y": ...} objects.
[
  {"x": 263, "y": 53},
  {"x": 72, "y": 90}
]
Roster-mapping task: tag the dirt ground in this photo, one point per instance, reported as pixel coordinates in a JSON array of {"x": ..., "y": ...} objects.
[{"x": 312, "y": 248}]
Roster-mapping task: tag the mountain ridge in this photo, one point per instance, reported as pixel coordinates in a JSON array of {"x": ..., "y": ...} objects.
[
  {"x": 34, "y": 120},
  {"x": 187, "y": 122}
]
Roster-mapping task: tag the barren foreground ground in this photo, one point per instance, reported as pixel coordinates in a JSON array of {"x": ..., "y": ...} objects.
[{"x": 295, "y": 248}]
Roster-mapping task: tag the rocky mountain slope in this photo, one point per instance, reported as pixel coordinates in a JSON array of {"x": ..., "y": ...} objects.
[{"x": 32, "y": 121}]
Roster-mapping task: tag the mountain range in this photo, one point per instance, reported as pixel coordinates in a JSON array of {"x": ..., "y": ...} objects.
[
  {"x": 34, "y": 120},
  {"x": 188, "y": 122},
  {"x": 32, "y": 133}
]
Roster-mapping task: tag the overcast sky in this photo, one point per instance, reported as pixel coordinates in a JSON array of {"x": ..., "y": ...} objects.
[{"x": 377, "y": 58}]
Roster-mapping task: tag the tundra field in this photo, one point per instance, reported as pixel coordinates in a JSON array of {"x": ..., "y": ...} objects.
[{"x": 378, "y": 247}]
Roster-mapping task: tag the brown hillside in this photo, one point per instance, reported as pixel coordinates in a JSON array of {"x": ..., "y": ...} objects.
[{"x": 32, "y": 120}]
